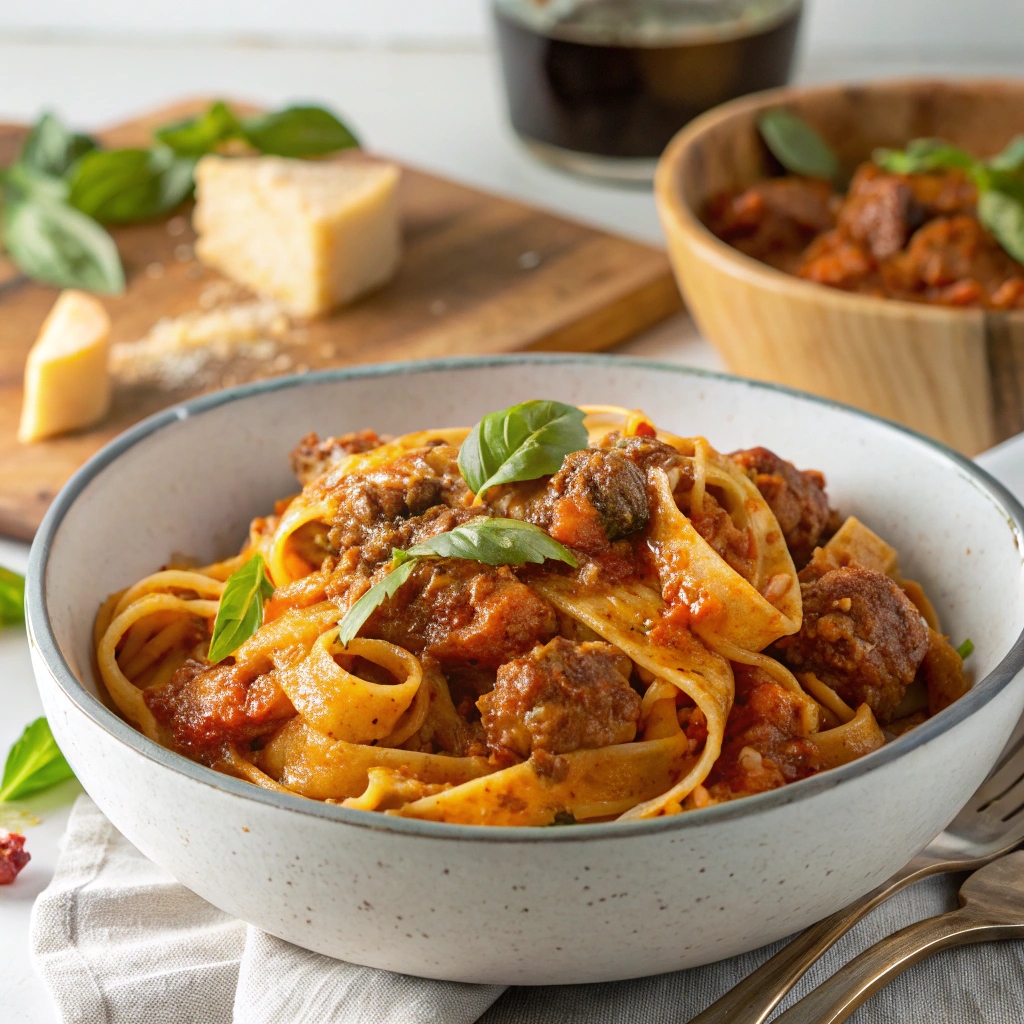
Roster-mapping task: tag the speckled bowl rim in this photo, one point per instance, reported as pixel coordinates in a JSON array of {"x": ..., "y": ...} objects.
[{"x": 42, "y": 639}]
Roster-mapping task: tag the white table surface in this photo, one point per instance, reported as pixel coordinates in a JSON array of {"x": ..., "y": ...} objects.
[{"x": 438, "y": 108}]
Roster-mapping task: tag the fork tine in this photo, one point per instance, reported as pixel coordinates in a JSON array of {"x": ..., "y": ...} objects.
[
  {"x": 1008, "y": 804},
  {"x": 1000, "y": 782}
]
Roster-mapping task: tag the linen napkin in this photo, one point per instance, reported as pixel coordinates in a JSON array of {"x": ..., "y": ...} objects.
[{"x": 118, "y": 941}]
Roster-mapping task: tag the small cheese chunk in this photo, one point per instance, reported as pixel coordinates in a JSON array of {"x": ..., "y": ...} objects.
[
  {"x": 67, "y": 385},
  {"x": 311, "y": 234}
]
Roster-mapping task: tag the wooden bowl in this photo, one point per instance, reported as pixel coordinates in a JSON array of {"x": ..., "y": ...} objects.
[{"x": 955, "y": 374}]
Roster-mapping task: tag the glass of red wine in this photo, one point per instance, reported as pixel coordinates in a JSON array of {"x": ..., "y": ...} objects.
[{"x": 599, "y": 87}]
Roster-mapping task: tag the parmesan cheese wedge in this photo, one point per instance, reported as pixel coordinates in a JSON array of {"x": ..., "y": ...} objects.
[
  {"x": 311, "y": 234},
  {"x": 67, "y": 385}
]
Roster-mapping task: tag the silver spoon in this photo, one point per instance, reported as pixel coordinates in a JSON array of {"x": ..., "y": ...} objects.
[
  {"x": 989, "y": 826},
  {"x": 991, "y": 907}
]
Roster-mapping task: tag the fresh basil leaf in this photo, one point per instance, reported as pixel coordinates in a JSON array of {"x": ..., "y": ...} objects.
[
  {"x": 56, "y": 244},
  {"x": 523, "y": 442},
  {"x": 12, "y": 597},
  {"x": 796, "y": 145},
  {"x": 297, "y": 132},
  {"x": 373, "y": 598},
  {"x": 922, "y": 156},
  {"x": 1010, "y": 183},
  {"x": 119, "y": 186},
  {"x": 1003, "y": 215},
  {"x": 177, "y": 180},
  {"x": 966, "y": 649},
  {"x": 34, "y": 763},
  {"x": 1012, "y": 156},
  {"x": 25, "y": 183},
  {"x": 198, "y": 135},
  {"x": 51, "y": 149},
  {"x": 495, "y": 542},
  {"x": 241, "y": 608}
]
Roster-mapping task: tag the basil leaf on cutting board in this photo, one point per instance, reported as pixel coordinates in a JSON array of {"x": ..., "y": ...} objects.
[
  {"x": 240, "y": 612},
  {"x": 22, "y": 182},
  {"x": 298, "y": 132},
  {"x": 491, "y": 541},
  {"x": 523, "y": 442},
  {"x": 203, "y": 134},
  {"x": 797, "y": 146},
  {"x": 59, "y": 245},
  {"x": 120, "y": 186},
  {"x": 12, "y": 597},
  {"x": 51, "y": 149},
  {"x": 33, "y": 764}
]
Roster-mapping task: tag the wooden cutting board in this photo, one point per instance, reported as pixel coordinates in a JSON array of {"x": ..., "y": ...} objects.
[{"x": 480, "y": 274}]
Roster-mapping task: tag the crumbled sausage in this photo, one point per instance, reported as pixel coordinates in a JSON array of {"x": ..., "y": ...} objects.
[
  {"x": 205, "y": 706},
  {"x": 765, "y": 743},
  {"x": 464, "y": 614},
  {"x": 313, "y": 457},
  {"x": 597, "y": 496},
  {"x": 880, "y": 211},
  {"x": 861, "y": 635},
  {"x": 561, "y": 697},
  {"x": 797, "y": 497}
]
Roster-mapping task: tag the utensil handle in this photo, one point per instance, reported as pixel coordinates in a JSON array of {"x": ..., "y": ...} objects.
[
  {"x": 754, "y": 998},
  {"x": 834, "y": 1000}
]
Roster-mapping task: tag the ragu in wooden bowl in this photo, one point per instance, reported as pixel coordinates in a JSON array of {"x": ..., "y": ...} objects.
[{"x": 955, "y": 374}]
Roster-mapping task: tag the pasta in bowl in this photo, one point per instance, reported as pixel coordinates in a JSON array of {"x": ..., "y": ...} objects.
[{"x": 560, "y": 615}]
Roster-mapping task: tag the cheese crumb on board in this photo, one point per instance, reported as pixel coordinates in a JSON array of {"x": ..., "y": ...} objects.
[
  {"x": 67, "y": 385},
  {"x": 312, "y": 234},
  {"x": 176, "y": 350}
]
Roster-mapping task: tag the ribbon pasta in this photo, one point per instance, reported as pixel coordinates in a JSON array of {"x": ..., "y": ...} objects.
[{"x": 373, "y": 725}]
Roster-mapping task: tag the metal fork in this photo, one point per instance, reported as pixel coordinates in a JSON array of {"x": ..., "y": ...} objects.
[
  {"x": 991, "y": 907},
  {"x": 989, "y": 826}
]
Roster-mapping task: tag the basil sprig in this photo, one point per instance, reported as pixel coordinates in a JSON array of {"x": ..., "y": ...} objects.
[
  {"x": 797, "y": 146},
  {"x": 12, "y": 597},
  {"x": 56, "y": 244},
  {"x": 119, "y": 186},
  {"x": 195, "y": 136},
  {"x": 33, "y": 764},
  {"x": 491, "y": 541},
  {"x": 241, "y": 608},
  {"x": 999, "y": 181},
  {"x": 297, "y": 132},
  {"x": 63, "y": 186},
  {"x": 523, "y": 442},
  {"x": 51, "y": 149}
]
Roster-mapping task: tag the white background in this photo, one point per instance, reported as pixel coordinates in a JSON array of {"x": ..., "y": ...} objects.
[{"x": 865, "y": 25}]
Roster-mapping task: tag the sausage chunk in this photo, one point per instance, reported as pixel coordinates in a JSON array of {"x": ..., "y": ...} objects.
[
  {"x": 464, "y": 614},
  {"x": 797, "y": 497},
  {"x": 861, "y": 635},
  {"x": 561, "y": 697},
  {"x": 313, "y": 457},
  {"x": 364, "y": 504},
  {"x": 765, "y": 743},
  {"x": 206, "y": 706},
  {"x": 880, "y": 211},
  {"x": 598, "y": 496}
]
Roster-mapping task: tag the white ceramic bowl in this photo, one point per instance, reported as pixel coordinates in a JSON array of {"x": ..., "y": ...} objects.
[{"x": 525, "y": 906}]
